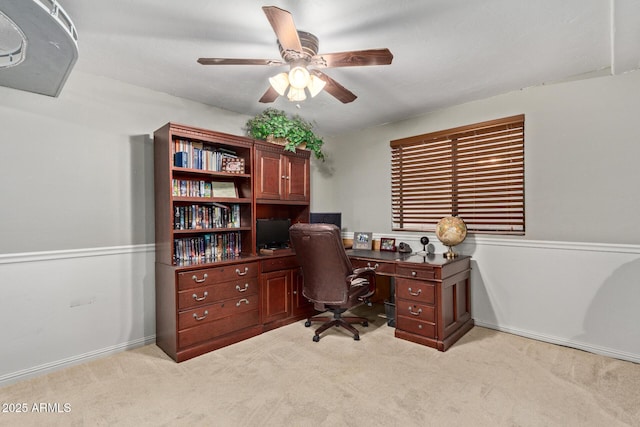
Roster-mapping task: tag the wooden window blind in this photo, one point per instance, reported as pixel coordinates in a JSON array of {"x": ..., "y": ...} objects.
[{"x": 475, "y": 172}]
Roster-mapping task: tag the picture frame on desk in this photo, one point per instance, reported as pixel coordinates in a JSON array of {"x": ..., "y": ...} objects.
[
  {"x": 362, "y": 240},
  {"x": 387, "y": 244}
]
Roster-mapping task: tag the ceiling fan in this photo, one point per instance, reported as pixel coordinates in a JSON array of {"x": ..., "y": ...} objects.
[{"x": 299, "y": 50}]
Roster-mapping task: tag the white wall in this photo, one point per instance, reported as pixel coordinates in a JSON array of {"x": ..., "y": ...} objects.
[
  {"x": 76, "y": 224},
  {"x": 574, "y": 278}
]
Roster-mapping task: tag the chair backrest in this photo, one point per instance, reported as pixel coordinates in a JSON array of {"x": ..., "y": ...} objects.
[{"x": 325, "y": 264}]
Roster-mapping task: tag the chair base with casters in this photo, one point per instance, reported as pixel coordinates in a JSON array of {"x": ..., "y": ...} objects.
[{"x": 338, "y": 321}]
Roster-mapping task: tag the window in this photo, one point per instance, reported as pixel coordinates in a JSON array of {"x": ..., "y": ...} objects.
[{"x": 475, "y": 172}]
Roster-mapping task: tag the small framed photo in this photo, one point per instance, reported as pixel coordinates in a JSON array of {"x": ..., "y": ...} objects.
[
  {"x": 387, "y": 244},
  {"x": 362, "y": 240},
  {"x": 224, "y": 189}
]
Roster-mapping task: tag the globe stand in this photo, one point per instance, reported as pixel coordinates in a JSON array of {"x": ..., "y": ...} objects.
[{"x": 450, "y": 254}]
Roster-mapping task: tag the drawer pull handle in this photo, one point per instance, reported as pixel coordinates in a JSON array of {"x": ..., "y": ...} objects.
[
  {"x": 204, "y": 296},
  {"x": 246, "y": 301},
  {"x": 415, "y": 313},
  {"x": 241, "y": 273},
  {"x": 239, "y": 289},
  {"x": 414, "y": 274},
  {"x": 375, "y": 267},
  {"x": 206, "y": 313},
  {"x": 415, "y": 294},
  {"x": 195, "y": 278}
]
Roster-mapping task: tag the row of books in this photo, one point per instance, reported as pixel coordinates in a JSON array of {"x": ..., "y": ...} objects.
[
  {"x": 197, "y": 155},
  {"x": 193, "y": 188},
  {"x": 198, "y": 217},
  {"x": 207, "y": 248}
]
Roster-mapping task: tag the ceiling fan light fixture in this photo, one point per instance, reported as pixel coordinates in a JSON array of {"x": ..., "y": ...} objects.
[
  {"x": 280, "y": 82},
  {"x": 296, "y": 94},
  {"x": 316, "y": 84},
  {"x": 299, "y": 77}
]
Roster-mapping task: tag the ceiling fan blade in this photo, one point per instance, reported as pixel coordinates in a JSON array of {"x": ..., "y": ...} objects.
[
  {"x": 354, "y": 58},
  {"x": 269, "y": 96},
  {"x": 238, "y": 61},
  {"x": 334, "y": 88},
  {"x": 284, "y": 27}
]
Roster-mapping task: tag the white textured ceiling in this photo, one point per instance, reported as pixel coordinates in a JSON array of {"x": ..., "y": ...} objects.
[{"x": 445, "y": 51}]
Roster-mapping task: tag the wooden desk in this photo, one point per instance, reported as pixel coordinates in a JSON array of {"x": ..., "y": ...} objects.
[{"x": 432, "y": 294}]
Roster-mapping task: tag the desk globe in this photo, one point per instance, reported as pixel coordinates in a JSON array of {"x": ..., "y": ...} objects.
[{"x": 451, "y": 231}]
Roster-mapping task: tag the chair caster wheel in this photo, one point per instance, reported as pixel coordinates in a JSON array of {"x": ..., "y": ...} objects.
[
  {"x": 356, "y": 337},
  {"x": 365, "y": 323},
  {"x": 316, "y": 338},
  {"x": 307, "y": 323}
]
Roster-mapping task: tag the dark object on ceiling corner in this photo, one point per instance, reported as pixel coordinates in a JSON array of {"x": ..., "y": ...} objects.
[{"x": 46, "y": 44}]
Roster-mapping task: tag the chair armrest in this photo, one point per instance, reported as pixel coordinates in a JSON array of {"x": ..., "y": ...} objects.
[
  {"x": 363, "y": 270},
  {"x": 369, "y": 276}
]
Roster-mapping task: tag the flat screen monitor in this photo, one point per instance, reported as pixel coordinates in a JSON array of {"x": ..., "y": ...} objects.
[
  {"x": 272, "y": 233},
  {"x": 326, "y": 218}
]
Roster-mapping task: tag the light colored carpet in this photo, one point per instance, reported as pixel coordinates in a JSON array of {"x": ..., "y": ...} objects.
[{"x": 283, "y": 378}]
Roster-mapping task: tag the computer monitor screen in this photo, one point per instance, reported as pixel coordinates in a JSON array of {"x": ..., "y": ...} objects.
[
  {"x": 326, "y": 218},
  {"x": 272, "y": 233}
]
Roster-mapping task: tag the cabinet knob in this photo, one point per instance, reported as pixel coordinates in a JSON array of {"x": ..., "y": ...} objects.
[{"x": 414, "y": 274}]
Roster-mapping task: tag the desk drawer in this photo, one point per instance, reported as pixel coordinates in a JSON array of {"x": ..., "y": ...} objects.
[
  {"x": 280, "y": 263},
  {"x": 415, "y": 290},
  {"x": 218, "y": 310},
  {"x": 209, "y": 276},
  {"x": 380, "y": 267},
  {"x": 217, "y": 328},
  {"x": 416, "y": 311},
  {"x": 416, "y": 272},
  {"x": 195, "y": 297},
  {"x": 418, "y": 327}
]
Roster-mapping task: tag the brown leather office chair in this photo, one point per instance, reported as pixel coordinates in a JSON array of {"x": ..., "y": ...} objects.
[{"x": 329, "y": 279}]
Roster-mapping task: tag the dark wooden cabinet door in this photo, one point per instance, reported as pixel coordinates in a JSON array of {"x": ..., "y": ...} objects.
[
  {"x": 269, "y": 175},
  {"x": 296, "y": 178},
  {"x": 301, "y": 305},
  {"x": 276, "y": 298}
]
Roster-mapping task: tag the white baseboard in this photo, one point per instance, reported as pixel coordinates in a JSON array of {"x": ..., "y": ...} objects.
[
  {"x": 603, "y": 351},
  {"x": 74, "y": 360}
]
